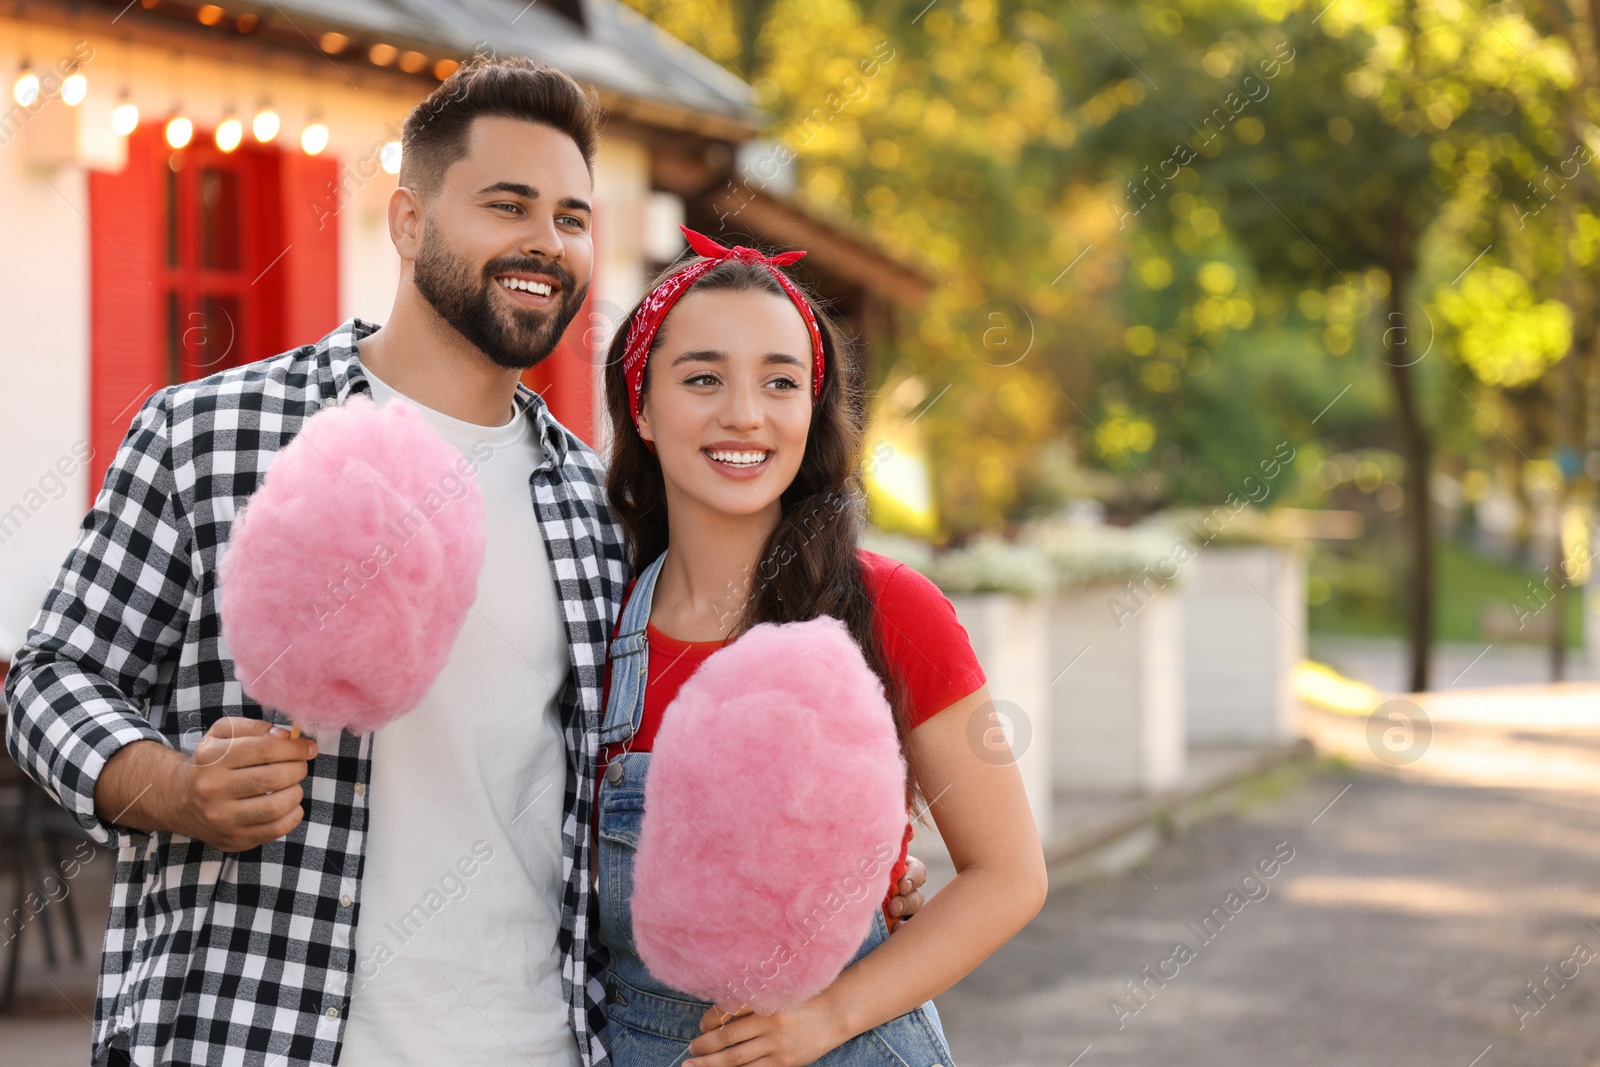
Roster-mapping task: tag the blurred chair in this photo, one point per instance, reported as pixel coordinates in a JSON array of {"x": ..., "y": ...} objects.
[{"x": 32, "y": 829}]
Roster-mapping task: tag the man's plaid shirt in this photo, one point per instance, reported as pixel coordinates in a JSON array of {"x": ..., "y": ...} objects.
[{"x": 248, "y": 958}]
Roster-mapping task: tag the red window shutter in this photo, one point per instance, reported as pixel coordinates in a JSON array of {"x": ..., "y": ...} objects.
[
  {"x": 127, "y": 354},
  {"x": 288, "y": 284},
  {"x": 310, "y": 231},
  {"x": 568, "y": 378}
]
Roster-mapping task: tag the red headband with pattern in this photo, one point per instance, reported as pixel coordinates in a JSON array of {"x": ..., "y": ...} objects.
[{"x": 659, "y": 301}]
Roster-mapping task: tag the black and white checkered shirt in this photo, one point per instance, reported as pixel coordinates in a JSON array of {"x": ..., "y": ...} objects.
[{"x": 248, "y": 958}]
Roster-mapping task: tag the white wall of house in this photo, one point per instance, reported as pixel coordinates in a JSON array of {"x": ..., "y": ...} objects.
[
  {"x": 622, "y": 189},
  {"x": 369, "y": 267},
  {"x": 44, "y": 354}
]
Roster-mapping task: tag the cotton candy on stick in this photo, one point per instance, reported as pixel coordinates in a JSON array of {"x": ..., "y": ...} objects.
[
  {"x": 349, "y": 572},
  {"x": 773, "y": 814}
]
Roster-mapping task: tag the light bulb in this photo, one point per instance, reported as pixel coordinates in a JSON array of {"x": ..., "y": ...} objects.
[
  {"x": 314, "y": 138},
  {"x": 179, "y": 132},
  {"x": 230, "y": 133},
  {"x": 125, "y": 119},
  {"x": 389, "y": 157},
  {"x": 265, "y": 126},
  {"x": 26, "y": 91},
  {"x": 74, "y": 89}
]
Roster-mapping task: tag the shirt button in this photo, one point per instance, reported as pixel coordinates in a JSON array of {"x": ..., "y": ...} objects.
[
  {"x": 614, "y": 773},
  {"x": 345, "y": 901},
  {"x": 332, "y": 1013},
  {"x": 329, "y": 401},
  {"x": 361, "y": 789}
]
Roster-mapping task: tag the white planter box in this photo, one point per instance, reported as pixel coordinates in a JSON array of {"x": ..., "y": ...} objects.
[
  {"x": 1010, "y": 636},
  {"x": 1116, "y": 689},
  {"x": 1591, "y": 609},
  {"x": 1246, "y": 632}
]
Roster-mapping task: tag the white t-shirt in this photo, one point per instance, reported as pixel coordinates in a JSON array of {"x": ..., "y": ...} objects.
[{"x": 456, "y": 958}]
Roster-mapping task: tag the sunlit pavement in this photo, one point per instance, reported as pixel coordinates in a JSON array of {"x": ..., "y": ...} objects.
[{"x": 1453, "y": 859}]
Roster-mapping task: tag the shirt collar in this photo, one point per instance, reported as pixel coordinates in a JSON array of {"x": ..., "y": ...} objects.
[{"x": 343, "y": 362}]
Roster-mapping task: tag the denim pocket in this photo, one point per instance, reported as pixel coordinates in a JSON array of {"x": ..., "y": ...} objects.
[{"x": 621, "y": 813}]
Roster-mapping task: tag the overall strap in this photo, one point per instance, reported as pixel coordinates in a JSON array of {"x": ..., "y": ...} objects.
[{"x": 628, "y": 660}]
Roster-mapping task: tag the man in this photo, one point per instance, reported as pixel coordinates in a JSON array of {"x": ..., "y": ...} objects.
[{"x": 242, "y": 868}]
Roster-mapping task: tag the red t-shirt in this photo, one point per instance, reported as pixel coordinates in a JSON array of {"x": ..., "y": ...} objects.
[{"x": 917, "y": 629}]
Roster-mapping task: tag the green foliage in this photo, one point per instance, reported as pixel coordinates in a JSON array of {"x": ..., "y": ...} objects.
[
  {"x": 1192, "y": 216},
  {"x": 1506, "y": 335},
  {"x": 1359, "y": 589}
]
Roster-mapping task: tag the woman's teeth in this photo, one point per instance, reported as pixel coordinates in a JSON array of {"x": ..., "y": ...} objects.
[
  {"x": 537, "y": 288},
  {"x": 739, "y": 459}
]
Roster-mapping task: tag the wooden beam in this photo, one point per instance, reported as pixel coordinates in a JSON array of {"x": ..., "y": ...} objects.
[{"x": 828, "y": 247}]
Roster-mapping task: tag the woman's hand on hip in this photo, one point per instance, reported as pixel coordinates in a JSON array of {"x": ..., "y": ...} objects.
[{"x": 787, "y": 1038}]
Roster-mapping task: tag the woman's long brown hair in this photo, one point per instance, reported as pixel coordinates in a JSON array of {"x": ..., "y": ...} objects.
[{"x": 808, "y": 566}]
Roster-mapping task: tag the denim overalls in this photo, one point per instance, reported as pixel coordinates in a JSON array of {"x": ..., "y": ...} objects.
[{"x": 651, "y": 1024}]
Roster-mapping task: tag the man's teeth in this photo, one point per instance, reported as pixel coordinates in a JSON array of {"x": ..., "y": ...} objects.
[
  {"x": 738, "y": 459},
  {"x": 537, "y": 288}
]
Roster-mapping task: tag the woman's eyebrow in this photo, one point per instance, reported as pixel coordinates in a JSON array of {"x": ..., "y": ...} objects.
[
  {"x": 712, "y": 355},
  {"x": 704, "y": 355}
]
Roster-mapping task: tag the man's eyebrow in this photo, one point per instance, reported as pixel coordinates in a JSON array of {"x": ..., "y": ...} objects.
[{"x": 528, "y": 192}]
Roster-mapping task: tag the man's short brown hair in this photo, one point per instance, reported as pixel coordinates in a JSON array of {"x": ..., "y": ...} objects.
[{"x": 435, "y": 133}]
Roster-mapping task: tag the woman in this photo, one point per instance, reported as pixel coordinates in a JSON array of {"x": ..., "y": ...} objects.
[{"x": 735, "y": 472}]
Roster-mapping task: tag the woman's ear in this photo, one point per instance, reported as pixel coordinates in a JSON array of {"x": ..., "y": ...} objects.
[{"x": 645, "y": 433}]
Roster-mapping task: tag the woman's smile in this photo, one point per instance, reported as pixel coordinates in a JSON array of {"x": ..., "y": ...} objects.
[{"x": 738, "y": 460}]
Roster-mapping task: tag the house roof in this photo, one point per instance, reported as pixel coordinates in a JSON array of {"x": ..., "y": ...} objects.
[
  {"x": 597, "y": 41},
  {"x": 641, "y": 71}
]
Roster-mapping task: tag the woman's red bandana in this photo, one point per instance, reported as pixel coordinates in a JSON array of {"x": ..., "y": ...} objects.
[{"x": 660, "y": 300}]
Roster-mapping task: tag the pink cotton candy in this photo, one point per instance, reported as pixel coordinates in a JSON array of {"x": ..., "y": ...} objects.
[
  {"x": 349, "y": 572},
  {"x": 774, "y": 810}
]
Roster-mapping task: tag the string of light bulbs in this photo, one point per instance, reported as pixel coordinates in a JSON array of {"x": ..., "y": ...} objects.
[{"x": 179, "y": 128}]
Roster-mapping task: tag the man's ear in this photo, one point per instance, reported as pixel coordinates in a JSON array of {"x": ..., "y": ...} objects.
[{"x": 406, "y": 215}]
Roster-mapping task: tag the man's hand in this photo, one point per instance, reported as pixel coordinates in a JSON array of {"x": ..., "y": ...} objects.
[
  {"x": 908, "y": 891},
  {"x": 239, "y": 788},
  {"x": 242, "y": 784}
]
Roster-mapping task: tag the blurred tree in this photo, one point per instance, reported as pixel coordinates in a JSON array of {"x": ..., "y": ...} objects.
[
  {"x": 1172, "y": 233},
  {"x": 1326, "y": 138},
  {"x": 1566, "y": 94},
  {"x": 944, "y": 132},
  {"x": 1256, "y": 105}
]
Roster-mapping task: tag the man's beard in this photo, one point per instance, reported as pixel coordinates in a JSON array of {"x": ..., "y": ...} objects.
[{"x": 516, "y": 338}]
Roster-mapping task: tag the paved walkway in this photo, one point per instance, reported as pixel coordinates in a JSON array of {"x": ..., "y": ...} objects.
[{"x": 1419, "y": 901}]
